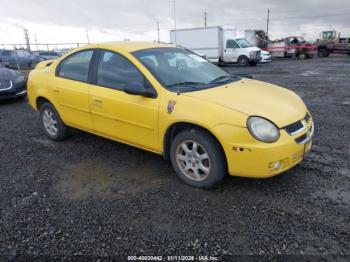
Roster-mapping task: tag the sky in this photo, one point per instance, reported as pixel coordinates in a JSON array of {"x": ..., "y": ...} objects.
[{"x": 72, "y": 21}]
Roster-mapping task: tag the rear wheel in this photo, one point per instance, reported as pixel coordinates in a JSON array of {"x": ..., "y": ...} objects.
[
  {"x": 53, "y": 126},
  {"x": 243, "y": 60},
  {"x": 302, "y": 55},
  {"x": 198, "y": 158},
  {"x": 322, "y": 52}
]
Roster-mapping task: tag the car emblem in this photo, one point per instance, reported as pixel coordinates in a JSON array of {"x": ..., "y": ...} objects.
[{"x": 171, "y": 106}]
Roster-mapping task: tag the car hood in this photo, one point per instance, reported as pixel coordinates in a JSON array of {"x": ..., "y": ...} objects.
[
  {"x": 8, "y": 74},
  {"x": 256, "y": 98}
]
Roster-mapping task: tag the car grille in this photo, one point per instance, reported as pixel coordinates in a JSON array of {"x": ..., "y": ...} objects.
[
  {"x": 298, "y": 126},
  {"x": 5, "y": 84},
  {"x": 294, "y": 128}
]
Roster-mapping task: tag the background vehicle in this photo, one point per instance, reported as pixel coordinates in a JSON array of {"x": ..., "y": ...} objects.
[
  {"x": 21, "y": 58},
  {"x": 331, "y": 42},
  {"x": 292, "y": 46},
  {"x": 48, "y": 55},
  {"x": 12, "y": 83},
  {"x": 265, "y": 57},
  {"x": 212, "y": 42}
]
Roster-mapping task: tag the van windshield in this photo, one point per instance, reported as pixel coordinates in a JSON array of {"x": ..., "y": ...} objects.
[
  {"x": 243, "y": 43},
  {"x": 180, "y": 70}
]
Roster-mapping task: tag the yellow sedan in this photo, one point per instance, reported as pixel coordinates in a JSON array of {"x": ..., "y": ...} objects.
[{"x": 172, "y": 102}]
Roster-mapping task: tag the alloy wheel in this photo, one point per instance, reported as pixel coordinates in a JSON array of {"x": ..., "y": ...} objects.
[
  {"x": 193, "y": 160},
  {"x": 50, "y": 122}
]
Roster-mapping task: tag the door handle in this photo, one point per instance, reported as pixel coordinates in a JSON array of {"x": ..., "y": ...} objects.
[{"x": 97, "y": 101}]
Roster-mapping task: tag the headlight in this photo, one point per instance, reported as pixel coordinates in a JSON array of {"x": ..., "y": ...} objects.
[
  {"x": 19, "y": 80},
  {"x": 263, "y": 130}
]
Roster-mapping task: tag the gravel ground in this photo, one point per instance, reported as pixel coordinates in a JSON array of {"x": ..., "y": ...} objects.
[{"x": 89, "y": 197}]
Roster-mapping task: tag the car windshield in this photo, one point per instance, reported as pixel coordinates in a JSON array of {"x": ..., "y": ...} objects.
[
  {"x": 243, "y": 43},
  {"x": 179, "y": 70}
]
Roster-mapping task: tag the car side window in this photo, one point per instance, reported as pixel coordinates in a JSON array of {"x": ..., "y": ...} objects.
[
  {"x": 76, "y": 66},
  {"x": 231, "y": 44},
  {"x": 115, "y": 71}
]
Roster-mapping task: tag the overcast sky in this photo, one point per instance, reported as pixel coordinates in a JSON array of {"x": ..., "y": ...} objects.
[{"x": 63, "y": 21}]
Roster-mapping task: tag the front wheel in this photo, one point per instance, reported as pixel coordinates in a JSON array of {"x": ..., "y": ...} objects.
[
  {"x": 198, "y": 158},
  {"x": 53, "y": 125},
  {"x": 243, "y": 60}
]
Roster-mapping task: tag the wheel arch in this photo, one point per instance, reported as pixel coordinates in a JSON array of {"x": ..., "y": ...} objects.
[
  {"x": 176, "y": 128},
  {"x": 40, "y": 100}
]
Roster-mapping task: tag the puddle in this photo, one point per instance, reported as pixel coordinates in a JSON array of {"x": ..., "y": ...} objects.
[{"x": 94, "y": 179}]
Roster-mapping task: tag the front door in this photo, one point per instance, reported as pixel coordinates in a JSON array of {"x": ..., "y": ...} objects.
[
  {"x": 231, "y": 51},
  {"x": 131, "y": 119},
  {"x": 71, "y": 89}
]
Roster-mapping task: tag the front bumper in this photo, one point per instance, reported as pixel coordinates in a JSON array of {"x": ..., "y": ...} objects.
[
  {"x": 16, "y": 91},
  {"x": 248, "y": 157},
  {"x": 265, "y": 59}
]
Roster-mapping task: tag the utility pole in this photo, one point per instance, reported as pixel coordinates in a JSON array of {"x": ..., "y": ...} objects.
[
  {"x": 87, "y": 35},
  {"x": 158, "y": 30},
  {"x": 174, "y": 19},
  {"x": 268, "y": 21},
  {"x": 205, "y": 19},
  {"x": 36, "y": 42},
  {"x": 26, "y": 37}
]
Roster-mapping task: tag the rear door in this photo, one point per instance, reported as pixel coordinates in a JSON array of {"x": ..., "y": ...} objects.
[{"x": 70, "y": 88}]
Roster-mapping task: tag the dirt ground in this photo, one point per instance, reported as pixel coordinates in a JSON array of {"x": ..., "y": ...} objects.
[{"x": 90, "y": 197}]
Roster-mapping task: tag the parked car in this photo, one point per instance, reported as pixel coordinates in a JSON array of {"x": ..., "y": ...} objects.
[
  {"x": 265, "y": 57},
  {"x": 215, "y": 46},
  {"x": 49, "y": 55},
  {"x": 21, "y": 58},
  {"x": 174, "y": 103},
  {"x": 12, "y": 83}
]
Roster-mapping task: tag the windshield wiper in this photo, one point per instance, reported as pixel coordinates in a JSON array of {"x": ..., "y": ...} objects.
[
  {"x": 188, "y": 83},
  {"x": 221, "y": 79}
]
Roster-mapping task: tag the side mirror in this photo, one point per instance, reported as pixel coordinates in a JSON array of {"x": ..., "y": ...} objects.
[{"x": 138, "y": 89}]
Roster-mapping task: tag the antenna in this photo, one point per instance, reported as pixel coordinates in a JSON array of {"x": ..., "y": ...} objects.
[{"x": 205, "y": 19}]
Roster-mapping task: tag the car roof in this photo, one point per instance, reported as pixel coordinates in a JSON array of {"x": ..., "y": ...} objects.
[{"x": 129, "y": 46}]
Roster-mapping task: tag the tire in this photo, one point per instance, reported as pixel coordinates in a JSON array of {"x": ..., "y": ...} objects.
[
  {"x": 302, "y": 55},
  {"x": 243, "y": 60},
  {"x": 252, "y": 63},
  {"x": 52, "y": 124},
  {"x": 206, "y": 165},
  {"x": 322, "y": 52}
]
